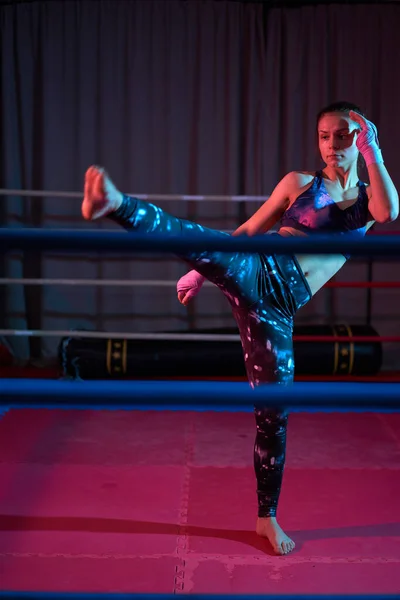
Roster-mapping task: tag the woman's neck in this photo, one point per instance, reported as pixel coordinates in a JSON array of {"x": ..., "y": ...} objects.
[{"x": 345, "y": 178}]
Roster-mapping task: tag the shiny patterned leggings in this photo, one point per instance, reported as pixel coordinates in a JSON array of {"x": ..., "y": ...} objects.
[{"x": 264, "y": 292}]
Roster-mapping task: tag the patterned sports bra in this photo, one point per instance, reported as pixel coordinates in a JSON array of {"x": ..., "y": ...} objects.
[{"x": 314, "y": 211}]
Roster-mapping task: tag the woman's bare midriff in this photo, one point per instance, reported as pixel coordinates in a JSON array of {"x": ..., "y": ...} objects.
[{"x": 317, "y": 268}]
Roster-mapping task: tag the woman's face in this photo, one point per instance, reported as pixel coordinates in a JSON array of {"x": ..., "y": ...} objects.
[{"x": 337, "y": 135}]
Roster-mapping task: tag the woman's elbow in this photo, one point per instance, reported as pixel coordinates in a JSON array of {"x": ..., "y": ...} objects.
[
  {"x": 385, "y": 211},
  {"x": 393, "y": 214},
  {"x": 387, "y": 216}
]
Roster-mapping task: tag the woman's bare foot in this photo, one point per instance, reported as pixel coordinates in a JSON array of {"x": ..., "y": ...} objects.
[
  {"x": 268, "y": 527},
  {"x": 101, "y": 197}
]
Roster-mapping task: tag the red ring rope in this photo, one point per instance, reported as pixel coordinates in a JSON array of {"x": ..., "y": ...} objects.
[
  {"x": 343, "y": 338},
  {"x": 388, "y": 232},
  {"x": 363, "y": 284}
]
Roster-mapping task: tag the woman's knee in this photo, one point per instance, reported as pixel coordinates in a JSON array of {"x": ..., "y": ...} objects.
[{"x": 270, "y": 419}]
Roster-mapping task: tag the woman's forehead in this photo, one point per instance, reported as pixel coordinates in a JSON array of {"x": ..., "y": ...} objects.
[{"x": 336, "y": 122}]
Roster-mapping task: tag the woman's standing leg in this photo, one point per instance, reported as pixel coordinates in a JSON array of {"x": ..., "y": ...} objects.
[{"x": 266, "y": 335}]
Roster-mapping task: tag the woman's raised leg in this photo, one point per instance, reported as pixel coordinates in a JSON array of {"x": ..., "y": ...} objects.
[{"x": 234, "y": 273}]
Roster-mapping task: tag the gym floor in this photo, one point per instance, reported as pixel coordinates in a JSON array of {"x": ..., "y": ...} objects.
[{"x": 163, "y": 502}]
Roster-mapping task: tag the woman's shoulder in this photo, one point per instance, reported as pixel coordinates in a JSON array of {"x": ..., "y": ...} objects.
[
  {"x": 300, "y": 178},
  {"x": 296, "y": 182}
]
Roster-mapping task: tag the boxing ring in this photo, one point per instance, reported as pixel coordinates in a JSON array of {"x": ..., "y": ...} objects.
[{"x": 185, "y": 410}]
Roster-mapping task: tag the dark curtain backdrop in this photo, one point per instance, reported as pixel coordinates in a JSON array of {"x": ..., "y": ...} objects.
[{"x": 177, "y": 96}]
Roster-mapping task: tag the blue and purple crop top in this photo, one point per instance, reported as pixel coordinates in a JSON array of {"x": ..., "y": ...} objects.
[{"x": 314, "y": 211}]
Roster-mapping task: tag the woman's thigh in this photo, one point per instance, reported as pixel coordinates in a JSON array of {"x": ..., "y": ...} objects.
[
  {"x": 267, "y": 340},
  {"x": 241, "y": 276}
]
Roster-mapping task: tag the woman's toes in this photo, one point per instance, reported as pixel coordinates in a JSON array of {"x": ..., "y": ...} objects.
[
  {"x": 290, "y": 546},
  {"x": 90, "y": 172}
]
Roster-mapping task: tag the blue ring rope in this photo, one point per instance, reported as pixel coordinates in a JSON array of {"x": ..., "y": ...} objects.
[
  {"x": 124, "y": 596},
  {"x": 199, "y": 395},
  {"x": 95, "y": 241}
]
